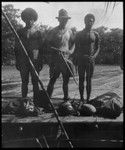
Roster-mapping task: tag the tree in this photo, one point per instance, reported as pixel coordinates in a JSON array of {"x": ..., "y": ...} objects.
[
  {"x": 111, "y": 45},
  {"x": 7, "y": 35}
]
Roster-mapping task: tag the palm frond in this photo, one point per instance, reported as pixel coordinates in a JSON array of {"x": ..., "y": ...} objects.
[
  {"x": 114, "y": 6},
  {"x": 107, "y": 6}
]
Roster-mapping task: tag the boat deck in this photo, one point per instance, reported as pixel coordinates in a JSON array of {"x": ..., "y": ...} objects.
[
  {"x": 50, "y": 118},
  {"x": 84, "y": 131}
]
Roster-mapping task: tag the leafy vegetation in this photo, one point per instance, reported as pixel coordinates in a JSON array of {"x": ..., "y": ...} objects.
[
  {"x": 111, "y": 45},
  {"x": 111, "y": 42}
]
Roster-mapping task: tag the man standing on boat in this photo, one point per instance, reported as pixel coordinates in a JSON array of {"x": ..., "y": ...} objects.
[
  {"x": 86, "y": 50},
  {"x": 31, "y": 38},
  {"x": 60, "y": 40}
]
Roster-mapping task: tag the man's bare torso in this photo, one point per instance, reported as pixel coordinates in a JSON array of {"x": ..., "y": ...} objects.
[
  {"x": 32, "y": 40},
  {"x": 60, "y": 38},
  {"x": 86, "y": 42}
]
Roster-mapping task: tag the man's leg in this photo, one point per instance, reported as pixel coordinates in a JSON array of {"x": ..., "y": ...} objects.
[
  {"x": 66, "y": 74},
  {"x": 89, "y": 74},
  {"x": 88, "y": 87},
  {"x": 24, "y": 72},
  {"x": 51, "y": 70},
  {"x": 81, "y": 73},
  {"x": 65, "y": 86},
  {"x": 34, "y": 80},
  {"x": 35, "y": 85},
  {"x": 52, "y": 81}
]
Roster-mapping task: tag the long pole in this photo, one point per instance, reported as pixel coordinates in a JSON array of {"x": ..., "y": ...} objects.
[{"x": 40, "y": 82}]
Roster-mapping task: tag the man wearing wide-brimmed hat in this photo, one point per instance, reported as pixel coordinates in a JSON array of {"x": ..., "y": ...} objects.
[
  {"x": 59, "y": 39},
  {"x": 32, "y": 39}
]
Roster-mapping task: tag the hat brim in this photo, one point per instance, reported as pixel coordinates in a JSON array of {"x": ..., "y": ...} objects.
[{"x": 63, "y": 17}]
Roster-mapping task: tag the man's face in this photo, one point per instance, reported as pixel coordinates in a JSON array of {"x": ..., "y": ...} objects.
[
  {"x": 89, "y": 22},
  {"x": 29, "y": 22},
  {"x": 63, "y": 21}
]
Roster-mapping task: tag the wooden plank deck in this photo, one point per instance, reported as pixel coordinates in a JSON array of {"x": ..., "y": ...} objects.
[{"x": 50, "y": 118}]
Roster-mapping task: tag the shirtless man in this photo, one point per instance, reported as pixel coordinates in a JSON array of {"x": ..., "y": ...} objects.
[
  {"x": 61, "y": 38},
  {"x": 31, "y": 38},
  {"x": 86, "y": 50}
]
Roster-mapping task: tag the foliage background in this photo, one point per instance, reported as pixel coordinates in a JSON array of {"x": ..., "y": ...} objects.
[{"x": 111, "y": 41}]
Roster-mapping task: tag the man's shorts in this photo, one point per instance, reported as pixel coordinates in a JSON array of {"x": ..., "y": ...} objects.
[{"x": 64, "y": 67}]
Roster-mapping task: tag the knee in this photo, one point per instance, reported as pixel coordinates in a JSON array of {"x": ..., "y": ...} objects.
[
  {"x": 65, "y": 84},
  {"x": 81, "y": 85},
  {"x": 25, "y": 81},
  {"x": 34, "y": 81},
  {"x": 81, "y": 79},
  {"x": 65, "y": 80},
  {"x": 52, "y": 81},
  {"x": 88, "y": 80},
  {"x": 35, "y": 85}
]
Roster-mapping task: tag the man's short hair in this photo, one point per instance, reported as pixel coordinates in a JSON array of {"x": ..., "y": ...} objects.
[{"x": 89, "y": 16}]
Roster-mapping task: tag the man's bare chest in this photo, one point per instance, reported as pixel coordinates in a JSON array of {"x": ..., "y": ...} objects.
[
  {"x": 87, "y": 38},
  {"x": 61, "y": 36},
  {"x": 29, "y": 35}
]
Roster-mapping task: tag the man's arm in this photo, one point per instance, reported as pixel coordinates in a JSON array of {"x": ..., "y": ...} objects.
[
  {"x": 72, "y": 43},
  {"x": 74, "y": 55},
  {"x": 17, "y": 50},
  {"x": 40, "y": 45},
  {"x": 46, "y": 46},
  {"x": 77, "y": 44},
  {"x": 97, "y": 45}
]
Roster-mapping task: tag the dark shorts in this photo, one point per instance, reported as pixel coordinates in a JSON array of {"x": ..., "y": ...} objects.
[
  {"x": 87, "y": 65},
  {"x": 61, "y": 67}
]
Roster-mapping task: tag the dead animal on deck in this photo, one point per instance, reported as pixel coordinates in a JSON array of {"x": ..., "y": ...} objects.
[
  {"x": 108, "y": 105},
  {"x": 66, "y": 108},
  {"x": 86, "y": 109},
  {"x": 22, "y": 107}
]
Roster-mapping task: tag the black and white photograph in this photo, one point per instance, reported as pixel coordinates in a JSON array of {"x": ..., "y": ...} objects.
[{"x": 62, "y": 74}]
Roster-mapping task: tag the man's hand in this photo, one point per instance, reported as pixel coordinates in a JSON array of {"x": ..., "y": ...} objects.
[
  {"x": 66, "y": 52},
  {"x": 74, "y": 59},
  {"x": 92, "y": 57}
]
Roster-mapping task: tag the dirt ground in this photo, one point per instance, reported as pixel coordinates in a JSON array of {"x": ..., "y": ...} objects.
[{"x": 105, "y": 79}]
